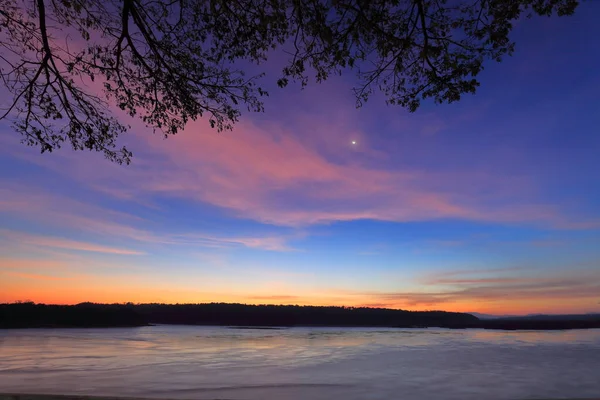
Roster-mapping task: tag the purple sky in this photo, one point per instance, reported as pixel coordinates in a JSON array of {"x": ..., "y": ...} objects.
[{"x": 491, "y": 204}]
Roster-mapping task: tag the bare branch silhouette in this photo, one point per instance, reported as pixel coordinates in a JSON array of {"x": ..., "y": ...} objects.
[{"x": 65, "y": 62}]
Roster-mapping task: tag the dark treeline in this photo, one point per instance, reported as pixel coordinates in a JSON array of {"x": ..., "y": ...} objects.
[
  {"x": 272, "y": 315},
  {"x": 25, "y": 315},
  {"x": 31, "y": 315}
]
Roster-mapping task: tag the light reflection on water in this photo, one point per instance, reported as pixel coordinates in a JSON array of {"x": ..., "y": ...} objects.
[{"x": 301, "y": 363}]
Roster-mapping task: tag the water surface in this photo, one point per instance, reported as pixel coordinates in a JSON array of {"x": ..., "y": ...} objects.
[{"x": 301, "y": 363}]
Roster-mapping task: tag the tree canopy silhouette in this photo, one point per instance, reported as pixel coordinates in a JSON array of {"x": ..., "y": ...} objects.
[{"x": 63, "y": 62}]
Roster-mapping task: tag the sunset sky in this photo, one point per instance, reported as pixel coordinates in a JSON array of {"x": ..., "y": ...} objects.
[{"x": 488, "y": 205}]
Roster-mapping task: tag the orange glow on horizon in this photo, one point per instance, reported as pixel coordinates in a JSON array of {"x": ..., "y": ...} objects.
[{"x": 71, "y": 293}]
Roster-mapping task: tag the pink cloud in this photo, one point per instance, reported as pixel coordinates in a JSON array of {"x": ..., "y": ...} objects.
[
  {"x": 273, "y": 177},
  {"x": 296, "y": 176}
]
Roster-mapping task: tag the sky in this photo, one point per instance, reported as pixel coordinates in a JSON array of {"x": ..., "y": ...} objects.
[{"x": 489, "y": 205}]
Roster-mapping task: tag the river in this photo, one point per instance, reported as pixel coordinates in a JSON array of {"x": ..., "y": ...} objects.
[{"x": 301, "y": 363}]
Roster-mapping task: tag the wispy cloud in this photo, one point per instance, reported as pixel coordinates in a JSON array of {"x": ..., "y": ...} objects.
[
  {"x": 433, "y": 276},
  {"x": 269, "y": 243},
  {"x": 548, "y": 243},
  {"x": 13, "y": 263},
  {"x": 478, "y": 281},
  {"x": 38, "y": 277},
  {"x": 66, "y": 213},
  {"x": 369, "y": 253},
  {"x": 275, "y": 297},
  {"x": 512, "y": 287},
  {"x": 62, "y": 243},
  {"x": 35, "y": 204}
]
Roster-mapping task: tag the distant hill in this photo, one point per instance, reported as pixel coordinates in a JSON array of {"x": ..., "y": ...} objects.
[
  {"x": 540, "y": 317},
  {"x": 491, "y": 316},
  {"x": 555, "y": 317},
  {"x": 541, "y": 322}
]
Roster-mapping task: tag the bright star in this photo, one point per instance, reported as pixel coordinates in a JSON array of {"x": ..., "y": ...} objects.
[{"x": 354, "y": 142}]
